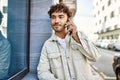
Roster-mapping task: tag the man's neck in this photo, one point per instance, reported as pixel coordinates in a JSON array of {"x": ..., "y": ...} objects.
[{"x": 60, "y": 34}]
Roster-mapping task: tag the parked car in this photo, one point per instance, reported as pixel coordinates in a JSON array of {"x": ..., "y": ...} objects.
[
  {"x": 104, "y": 43},
  {"x": 115, "y": 46},
  {"x": 110, "y": 45},
  {"x": 98, "y": 42}
]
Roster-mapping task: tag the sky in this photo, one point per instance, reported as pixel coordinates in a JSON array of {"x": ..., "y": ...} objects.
[{"x": 84, "y": 18}]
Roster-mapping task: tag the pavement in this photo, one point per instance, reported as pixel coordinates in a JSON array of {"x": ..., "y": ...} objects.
[
  {"x": 31, "y": 76},
  {"x": 96, "y": 74},
  {"x": 99, "y": 75}
]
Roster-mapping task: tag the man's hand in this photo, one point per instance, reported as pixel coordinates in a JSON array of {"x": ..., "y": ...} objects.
[{"x": 72, "y": 30}]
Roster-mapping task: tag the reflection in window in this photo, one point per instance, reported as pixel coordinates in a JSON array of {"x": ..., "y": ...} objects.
[
  {"x": 5, "y": 52},
  {"x": 4, "y": 9},
  {"x": 13, "y": 37}
]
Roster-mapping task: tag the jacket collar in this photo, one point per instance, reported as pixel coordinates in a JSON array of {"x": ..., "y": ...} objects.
[{"x": 54, "y": 38}]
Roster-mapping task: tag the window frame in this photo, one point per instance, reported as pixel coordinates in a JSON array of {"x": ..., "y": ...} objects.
[{"x": 22, "y": 73}]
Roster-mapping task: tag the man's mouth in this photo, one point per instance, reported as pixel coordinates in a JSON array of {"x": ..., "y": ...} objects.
[{"x": 57, "y": 26}]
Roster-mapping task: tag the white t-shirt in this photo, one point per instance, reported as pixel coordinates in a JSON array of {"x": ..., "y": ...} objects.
[{"x": 62, "y": 42}]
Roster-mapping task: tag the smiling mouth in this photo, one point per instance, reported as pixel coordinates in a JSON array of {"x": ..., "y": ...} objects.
[{"x": 56, "y": 26}]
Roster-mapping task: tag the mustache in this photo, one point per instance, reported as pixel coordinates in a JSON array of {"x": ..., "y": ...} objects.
[{"x": 56, "y": 24}]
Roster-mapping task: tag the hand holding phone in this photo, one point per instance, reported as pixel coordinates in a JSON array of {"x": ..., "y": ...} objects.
[
  {"x": 70, "y": 26},
  {"x": 72, "y": 30}
]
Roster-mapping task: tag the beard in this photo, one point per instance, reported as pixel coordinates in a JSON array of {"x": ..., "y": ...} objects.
[{"x": 58, "y": 27}]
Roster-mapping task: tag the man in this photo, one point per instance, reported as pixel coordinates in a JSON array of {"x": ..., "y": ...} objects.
[
  {"x": 5, "y": 51},
  {"x": 66, "y": 53}
]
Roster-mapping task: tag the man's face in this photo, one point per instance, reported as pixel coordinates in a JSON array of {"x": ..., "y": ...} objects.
[{"x": 58, "y": 21}]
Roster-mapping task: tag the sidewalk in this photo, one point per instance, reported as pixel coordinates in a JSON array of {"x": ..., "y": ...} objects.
[
  {"x": 96, "y": 74},
  {"x": 31, "y": 76},
  {"x": 100, "y": 76}
]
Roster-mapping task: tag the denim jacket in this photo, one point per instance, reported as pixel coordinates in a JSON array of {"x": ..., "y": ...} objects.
[{"x": 55, "y": 61}]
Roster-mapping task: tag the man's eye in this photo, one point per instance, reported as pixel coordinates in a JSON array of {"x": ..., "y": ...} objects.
[
  {"x": 52, "y": 17},
  {"x": 61, "y": 17}
]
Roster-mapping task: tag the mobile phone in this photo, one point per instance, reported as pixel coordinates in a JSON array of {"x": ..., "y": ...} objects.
[
  {"x": 68, "y": 26},
  {"x": 118, "y": 60}
]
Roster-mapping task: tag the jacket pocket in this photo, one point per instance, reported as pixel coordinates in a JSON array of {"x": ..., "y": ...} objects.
[
  {"x": 55, "y": 60},
  {"x": 56, "y": 65}
]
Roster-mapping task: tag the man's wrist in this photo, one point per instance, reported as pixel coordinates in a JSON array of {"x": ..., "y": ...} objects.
[{"x": 75, "y": 33}]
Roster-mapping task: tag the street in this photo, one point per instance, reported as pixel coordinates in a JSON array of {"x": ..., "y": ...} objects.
[{"x": 104, "y": 64}]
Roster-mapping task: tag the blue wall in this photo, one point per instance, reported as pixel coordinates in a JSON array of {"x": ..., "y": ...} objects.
[{"x": 40, "y": 30}]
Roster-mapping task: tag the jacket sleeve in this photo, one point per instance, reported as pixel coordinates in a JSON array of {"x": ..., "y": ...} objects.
[
  {"x": 43, "y": 68},
  {"x": 87, "y": 48}
]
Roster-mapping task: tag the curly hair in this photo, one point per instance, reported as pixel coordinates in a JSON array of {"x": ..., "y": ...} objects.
[{"x": 61, "y": 7}]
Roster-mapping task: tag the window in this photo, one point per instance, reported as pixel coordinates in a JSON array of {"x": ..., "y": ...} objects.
[
  {"x": 15, "y": 49},
  {"x": 115, "y": 26},
  {"x": 98, "y": 12},
  {"x": 107, "y": 37},
  {"x": 4, "y": 9},
  {"x": 99, "y": 21},
  {"x": 116, "y": 36},
  {"x": 103, "y": 8},
  {"x": 105, "y": 18},
  {"x": 111, "y": 36},
  {"x": 112, "y": 14},
  {"x": 108, "y": 29},
  {"x": 109, "y": 2}
]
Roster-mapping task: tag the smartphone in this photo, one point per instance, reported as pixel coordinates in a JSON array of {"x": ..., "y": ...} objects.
[
  {"x": 68, "y": 26},
  {"x": 118, "y": 60}
]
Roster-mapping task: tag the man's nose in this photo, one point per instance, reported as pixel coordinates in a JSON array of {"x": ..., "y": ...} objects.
[{"x": 57, "y": 20}]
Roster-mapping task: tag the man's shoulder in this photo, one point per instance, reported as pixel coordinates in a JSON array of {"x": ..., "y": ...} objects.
[
  {"x": 82, "y": 34},
  {"x": 51, "y": 39},
  {"x": 48, "y": 41}
]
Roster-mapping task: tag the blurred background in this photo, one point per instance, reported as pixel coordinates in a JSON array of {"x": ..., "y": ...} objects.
[{"x": 98, "y": 19}]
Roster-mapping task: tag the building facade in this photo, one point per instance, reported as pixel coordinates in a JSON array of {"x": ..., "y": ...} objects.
[{"x": 107, "y": 18}]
